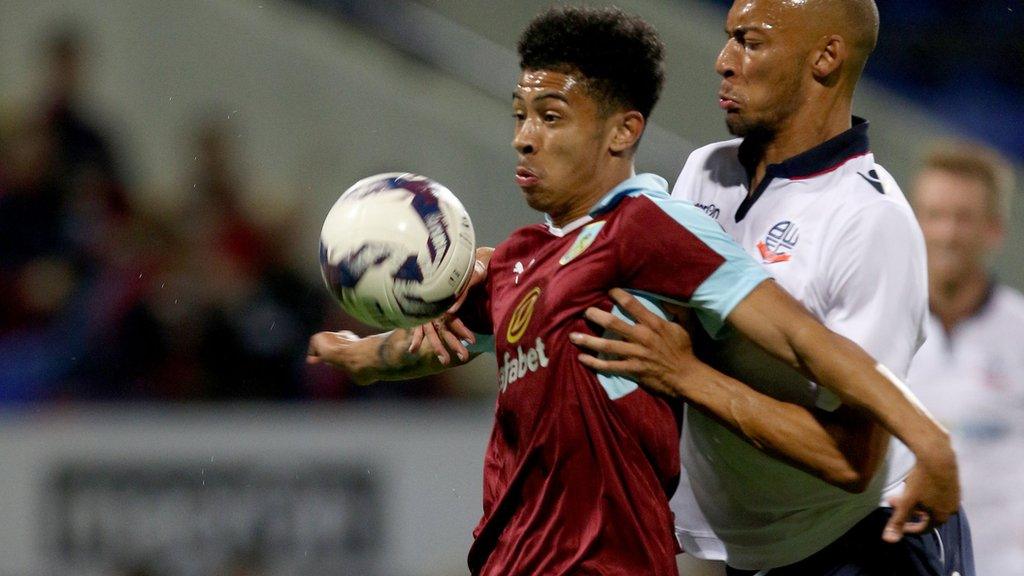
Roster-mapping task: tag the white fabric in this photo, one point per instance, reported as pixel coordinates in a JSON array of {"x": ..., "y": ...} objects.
[
  {"x": 856, "y": 260},
  {"x": 972, "y": 380}
]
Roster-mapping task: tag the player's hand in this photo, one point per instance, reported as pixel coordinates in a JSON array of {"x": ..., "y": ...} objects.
[
  {"x": 931, "y": 494},
  {"x": 653, "y": 351},
  {"x": 339, "y": 349},
  {"x": 446, "y": 333}
]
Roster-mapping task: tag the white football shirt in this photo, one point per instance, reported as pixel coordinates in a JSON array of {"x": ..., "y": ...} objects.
[
  {"x": 833, "y": 229},
  {"x": 972, "y": 380}
]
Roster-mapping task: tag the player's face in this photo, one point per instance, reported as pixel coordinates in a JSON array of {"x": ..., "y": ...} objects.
[
  {"x": 959, "y": 227},
  {"x": 562, "y": 139},
  {"x": 762, "y": 66}
]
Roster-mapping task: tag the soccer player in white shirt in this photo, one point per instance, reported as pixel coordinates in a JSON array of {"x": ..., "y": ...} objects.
[
  {"x": 800, "y": 192},
  {"x": 970, "y": 371}
]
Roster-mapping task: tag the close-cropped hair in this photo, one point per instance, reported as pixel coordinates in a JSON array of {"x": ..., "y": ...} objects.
[
  {"x": 619, "y": 56},
  {"x": 980, "y": 163}
]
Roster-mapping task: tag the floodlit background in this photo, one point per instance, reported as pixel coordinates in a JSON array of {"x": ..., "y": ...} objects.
[{"x": 164, "y": 171}]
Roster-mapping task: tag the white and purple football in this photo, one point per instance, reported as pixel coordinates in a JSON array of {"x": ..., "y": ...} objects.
[{"x": 396, "y": 250}]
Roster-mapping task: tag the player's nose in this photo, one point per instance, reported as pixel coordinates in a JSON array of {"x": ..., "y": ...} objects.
[
  {"x": 525, "y": 139},
  {"x": 725, "y": 63}
]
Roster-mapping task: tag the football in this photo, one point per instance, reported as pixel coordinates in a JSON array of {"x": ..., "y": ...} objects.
[{"x": 396, "y": 250}]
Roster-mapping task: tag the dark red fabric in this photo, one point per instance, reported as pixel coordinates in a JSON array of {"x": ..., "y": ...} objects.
[{"x": 574, "y": 481}]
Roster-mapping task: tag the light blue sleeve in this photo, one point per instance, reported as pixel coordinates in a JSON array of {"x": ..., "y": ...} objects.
[
  {"x": 716, "y": 297},
  {"x": 615, "y": 385}
]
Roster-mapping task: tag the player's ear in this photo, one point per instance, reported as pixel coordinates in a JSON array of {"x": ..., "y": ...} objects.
[
  {"x": 626, "y": 131},
  {"x": 829, "y": 56}
]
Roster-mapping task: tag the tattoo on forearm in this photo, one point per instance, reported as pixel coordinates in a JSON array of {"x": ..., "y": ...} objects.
[{"x": 394, "y": 351}]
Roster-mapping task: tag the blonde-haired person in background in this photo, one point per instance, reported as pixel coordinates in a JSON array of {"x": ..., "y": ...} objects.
[{"x": 970, "y": 371}]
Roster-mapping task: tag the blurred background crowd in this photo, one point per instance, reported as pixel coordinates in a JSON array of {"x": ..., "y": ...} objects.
[
  {"x": 108, "y": 299},
  {"x": 117, "y": 286}
]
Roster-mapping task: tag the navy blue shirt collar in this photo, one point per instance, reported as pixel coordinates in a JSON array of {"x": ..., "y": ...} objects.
[{"x": 823, "y": 158}]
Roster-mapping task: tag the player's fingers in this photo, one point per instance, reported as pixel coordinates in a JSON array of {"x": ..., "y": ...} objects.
[
  {"x": 893, "y": 531},
  {"x": 454, "y": 344},
  {"x": 316, "y": 344},
  {"x": 605, "y": 345},
  {"x": 431, "y": 331},
  {"x": 416, "y": 339},
  {"x": 619, "y": 367},
  {"x": 918, "y": 522},
  {"x": 460, "y": 330},
  {"x": 609, "y": 321},
  {"x": 633, "y": 307}
]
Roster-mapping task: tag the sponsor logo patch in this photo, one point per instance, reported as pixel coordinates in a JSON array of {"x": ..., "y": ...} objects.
[
  {"x": 521, "y": 316},
  {"x": 522, "y": 363},
  {"x": 710, "y": 209}
]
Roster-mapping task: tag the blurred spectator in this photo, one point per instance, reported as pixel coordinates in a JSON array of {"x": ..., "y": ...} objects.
[
  {"x": 60, "y": 196},
  {"x": 256, "y": 312},
  {"x": 970, "y": 371},
  {"x": 84, "y": 150}
]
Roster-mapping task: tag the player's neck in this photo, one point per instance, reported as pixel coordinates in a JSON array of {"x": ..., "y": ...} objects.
[
  {"x": 956, "y": 300},
  {"x": 596, "y": 190},
  {"x": 802, "y": 131}
]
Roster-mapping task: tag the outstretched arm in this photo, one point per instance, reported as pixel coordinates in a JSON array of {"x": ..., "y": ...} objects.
[
  {"x": 843, "y": 451},
  {"x": 771, "y": 318},
  {"x": 402, "y": 354},
  {"x": 379, "y": 357},
  {"x": 776, "y": 322},
  {"x": 658, "y": 354}
]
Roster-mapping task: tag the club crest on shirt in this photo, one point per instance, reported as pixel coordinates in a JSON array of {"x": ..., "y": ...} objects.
[
  {"x": 583, "y": 241},
  {"x": 778, "y": 244}
]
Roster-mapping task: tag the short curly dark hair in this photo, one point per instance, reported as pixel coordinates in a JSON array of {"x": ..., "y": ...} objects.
[{"x": 619, "y": 55}]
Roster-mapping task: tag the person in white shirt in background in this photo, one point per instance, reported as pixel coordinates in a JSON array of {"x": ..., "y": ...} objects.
[{"x": 970, "y": 371}]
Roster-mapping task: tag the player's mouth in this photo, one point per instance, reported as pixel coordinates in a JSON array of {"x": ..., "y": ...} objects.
[
  {"x": 727, "y": 103},
  {"x": 526, "y": 178}
]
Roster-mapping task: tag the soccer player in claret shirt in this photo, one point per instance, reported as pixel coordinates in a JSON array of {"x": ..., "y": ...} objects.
[{"x": 580, "y": 465}]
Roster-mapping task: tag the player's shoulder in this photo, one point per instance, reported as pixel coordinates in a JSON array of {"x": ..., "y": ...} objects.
[
  {"x": 866, "y": 190},
  {"x": 655, "y": 201},
  {"x": 657, "y": 218},
  {"x": 710, "y": 168},
  {"x": 715, "y": 155}
]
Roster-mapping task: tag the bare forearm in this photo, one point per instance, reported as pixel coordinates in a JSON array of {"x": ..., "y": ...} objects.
[
  {"x": 395, "y": 362},
  {"x": 379, "y": 357},
  {"x": 783, "y": 430},
  {"x": 863, "y": 384},
  {"x": 776, "y": 322}
]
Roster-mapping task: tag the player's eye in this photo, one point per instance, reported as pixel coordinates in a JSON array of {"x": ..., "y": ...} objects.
[{"x": 551, "y": 117}]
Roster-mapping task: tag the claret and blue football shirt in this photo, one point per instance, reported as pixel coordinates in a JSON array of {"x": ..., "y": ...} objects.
[{"x": 580, "y": 466}]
